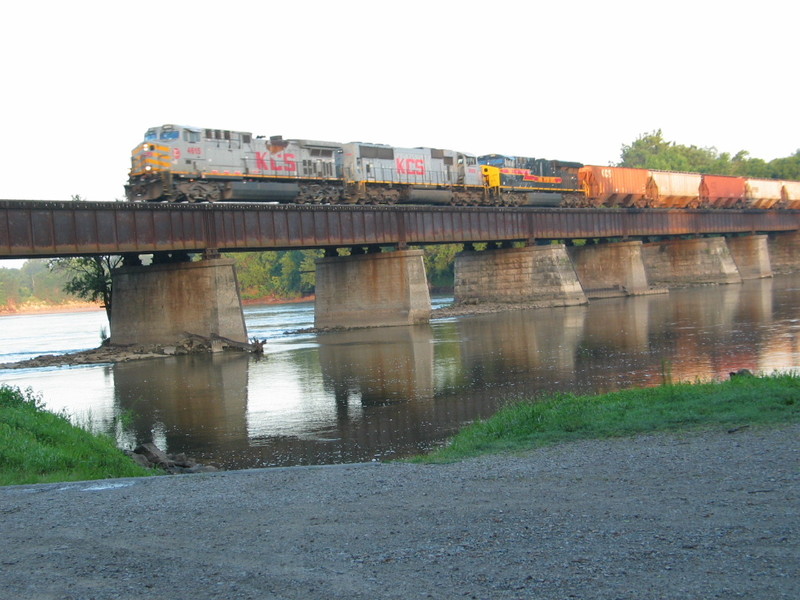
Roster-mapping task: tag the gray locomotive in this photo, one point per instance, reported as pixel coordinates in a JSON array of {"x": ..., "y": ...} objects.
[{"x": 186, "y": 164}]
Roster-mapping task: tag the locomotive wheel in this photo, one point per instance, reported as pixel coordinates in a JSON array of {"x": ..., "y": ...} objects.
[{"x": 202, "y": 192}]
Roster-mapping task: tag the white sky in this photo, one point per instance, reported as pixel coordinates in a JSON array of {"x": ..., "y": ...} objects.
[{"x": 83, "y": 80}]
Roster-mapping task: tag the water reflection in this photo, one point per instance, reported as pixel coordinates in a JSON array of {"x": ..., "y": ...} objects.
[
  {"x": 390, "y": 392},
  {"x": 378, "y": 366},
  {"x": 185, "y": 402}
]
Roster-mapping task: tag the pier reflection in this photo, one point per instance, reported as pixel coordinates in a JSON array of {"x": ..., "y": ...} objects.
[
  {"x": 379, "y": 365},
  {"x": 185, "y": 403}
]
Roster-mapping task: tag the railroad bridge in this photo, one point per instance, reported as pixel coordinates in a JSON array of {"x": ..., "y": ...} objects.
[{"x": 529, "y": 258}]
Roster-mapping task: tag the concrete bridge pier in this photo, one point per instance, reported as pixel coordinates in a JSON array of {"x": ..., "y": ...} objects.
[
  {"x": 686, "y": 262},
  {"x": 160, "y": 303},
  {"x": 538, "y": 275},
  {"x": 608, "y": 270},
  {"x": 784, "y": 248},
  {"x": 751, "y": 255},
  {"x": 372, "y": 290}
]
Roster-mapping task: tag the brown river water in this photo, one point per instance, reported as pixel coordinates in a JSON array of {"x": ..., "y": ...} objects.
[{"x": 386, "y": 393}]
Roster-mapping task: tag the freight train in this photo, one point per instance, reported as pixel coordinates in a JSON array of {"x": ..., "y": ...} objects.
[{"x": 188, "y": 164}]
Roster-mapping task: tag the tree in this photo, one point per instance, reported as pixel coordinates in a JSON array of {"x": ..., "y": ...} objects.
[
  {"x": 89, "y": 277},
  {"x": 652, "y": 151},
  {"x": 786, "y": 168},
  {"x": 278, "y": 274},
  {"x": 32, "y": 282},
  {"x": 440, "y": 263}
]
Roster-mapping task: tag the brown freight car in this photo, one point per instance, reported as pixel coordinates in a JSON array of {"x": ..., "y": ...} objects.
[
  {"x": 614, "y": 186},
  {"x": 722, "y": 191}
]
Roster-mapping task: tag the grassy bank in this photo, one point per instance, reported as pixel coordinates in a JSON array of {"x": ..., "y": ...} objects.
[
  {"x": 37, "y": 446},
  {"x": 741, "y": 401}
]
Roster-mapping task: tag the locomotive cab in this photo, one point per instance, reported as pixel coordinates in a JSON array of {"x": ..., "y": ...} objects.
[{"x": 530, "y": 181}]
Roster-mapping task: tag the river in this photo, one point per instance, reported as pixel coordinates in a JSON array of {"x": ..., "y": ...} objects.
[{"x": 385, "y": 393}]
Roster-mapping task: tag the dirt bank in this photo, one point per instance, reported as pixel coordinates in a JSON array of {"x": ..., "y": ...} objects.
[
  {"x": 698, "y": 515},
  {"x": 36, "y": 308}
]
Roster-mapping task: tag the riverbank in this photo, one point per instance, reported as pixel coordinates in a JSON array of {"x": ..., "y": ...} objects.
[
  {"x": 36, "y": 308},
  {"x": 41, "y": 446},
  {"x": 744, "y": 400},
  {"x": 705, "y": 514}
]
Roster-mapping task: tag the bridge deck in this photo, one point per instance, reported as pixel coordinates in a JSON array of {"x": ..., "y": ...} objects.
[{"x": 30, "y": 229}]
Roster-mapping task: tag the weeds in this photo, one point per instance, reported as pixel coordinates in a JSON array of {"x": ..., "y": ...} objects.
[
  {"x": 670, "y": 407},
  {"x": 38, "y": 446}
]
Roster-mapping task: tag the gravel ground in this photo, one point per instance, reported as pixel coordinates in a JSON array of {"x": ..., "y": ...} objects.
[{"x": 695, "y": 515}]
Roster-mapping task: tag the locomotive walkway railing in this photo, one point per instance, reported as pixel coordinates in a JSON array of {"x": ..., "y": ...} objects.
[{"x": 30, "y": 229}]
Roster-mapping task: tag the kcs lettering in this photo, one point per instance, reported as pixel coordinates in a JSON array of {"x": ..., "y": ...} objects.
[
  {"x": 275, "y": 162},
  {"x": 410, "y": 166}
]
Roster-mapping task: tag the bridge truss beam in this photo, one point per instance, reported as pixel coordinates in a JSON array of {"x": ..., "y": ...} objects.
[{"x": 30, "y": 229}]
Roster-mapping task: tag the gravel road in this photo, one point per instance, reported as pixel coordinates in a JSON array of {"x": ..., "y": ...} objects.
[{"x": 689, "y": 516}]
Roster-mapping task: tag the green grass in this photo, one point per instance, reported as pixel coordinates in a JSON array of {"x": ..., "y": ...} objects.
[
  {"x": 741, "y": 401},
  {"x": 38, "y": 446}
]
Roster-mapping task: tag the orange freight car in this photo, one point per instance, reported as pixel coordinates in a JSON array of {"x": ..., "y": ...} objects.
[
  {"x": 721, "y": 191},
  {"x": 614, "y": 186}
]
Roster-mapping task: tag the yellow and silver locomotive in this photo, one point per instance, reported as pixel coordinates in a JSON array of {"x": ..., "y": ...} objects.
[{"x": 187, "y": 164}]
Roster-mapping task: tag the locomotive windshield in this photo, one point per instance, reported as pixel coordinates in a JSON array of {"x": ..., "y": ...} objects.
[{"x": 165, "y": 133}]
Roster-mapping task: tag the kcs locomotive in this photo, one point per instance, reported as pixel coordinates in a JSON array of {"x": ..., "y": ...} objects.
[{"x": 187, "y": 164}]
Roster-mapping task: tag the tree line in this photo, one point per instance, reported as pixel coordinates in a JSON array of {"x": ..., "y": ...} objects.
[
  {"x": 652, "y": 151},
  {"x": 33, "y": 283},
  {"x": 290, "y": 274}
]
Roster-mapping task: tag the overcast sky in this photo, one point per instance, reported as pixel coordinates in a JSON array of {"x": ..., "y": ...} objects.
[{"x": 575, "y": 80}]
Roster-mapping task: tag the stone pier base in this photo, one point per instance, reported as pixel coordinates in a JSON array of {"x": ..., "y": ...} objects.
[
  {"x": 540, "y": 275},
  {"x": 751, "y": 255},
  {"x": 159, "y": 304},
  {"x": 607, "y": 270},
  {"x": 689, "y": 262},
  {"x": 372, "y": 290},
  {"x": 784, "y": 251}
]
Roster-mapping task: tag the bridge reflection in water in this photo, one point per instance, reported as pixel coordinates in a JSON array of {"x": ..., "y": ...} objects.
[{"x": 389, "y": 392}]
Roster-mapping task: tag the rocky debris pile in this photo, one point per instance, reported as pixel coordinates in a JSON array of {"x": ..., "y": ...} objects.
[
  {"x": 461, "y": 310},
  {"x": 151, "y": 456},
  {"x": 108, "y": 353}
]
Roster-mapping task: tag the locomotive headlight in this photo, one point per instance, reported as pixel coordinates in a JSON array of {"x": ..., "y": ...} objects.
[{"x": 148, "y": 168}]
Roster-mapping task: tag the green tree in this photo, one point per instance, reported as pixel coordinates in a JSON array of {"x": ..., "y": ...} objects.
[
  {"x": 88, "y": 277},
  {"x": 279, "y": 274},
  {"x": 440, "y": 263},
  {"x": 652, "y": 151},
  {"x": 786, "y": 168},
  {"x": 32, "y": 282}
]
